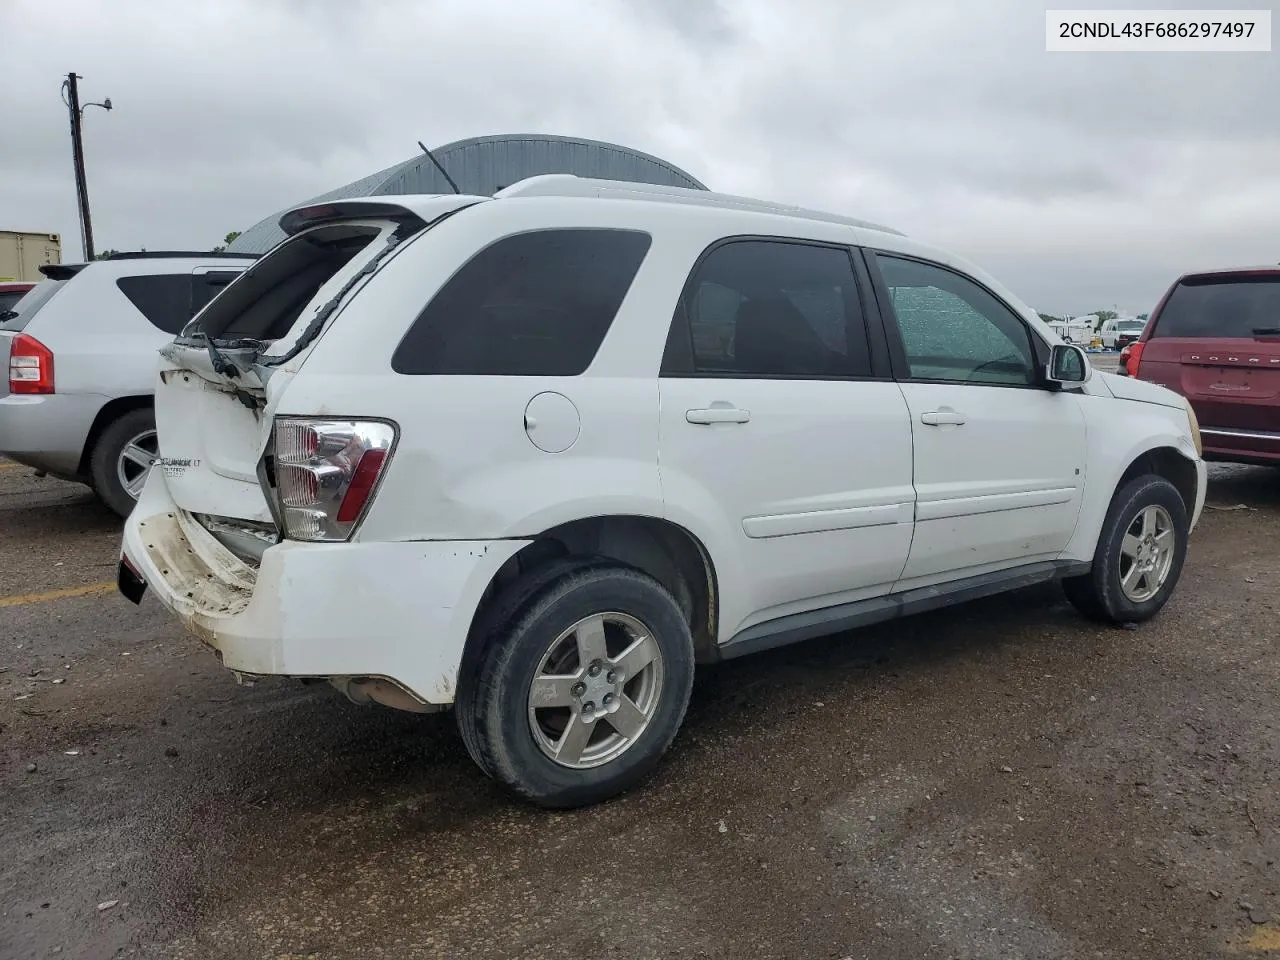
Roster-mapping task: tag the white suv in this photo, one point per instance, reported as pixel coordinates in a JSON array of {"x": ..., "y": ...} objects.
[{"x": 535, "y": 455}]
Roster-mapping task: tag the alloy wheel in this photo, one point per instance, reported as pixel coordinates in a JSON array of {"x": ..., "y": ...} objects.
[
  {"x": 1146, "y": 553},
  {"x": 135, "y": 460},
  {"x": 595, "y": 691}
]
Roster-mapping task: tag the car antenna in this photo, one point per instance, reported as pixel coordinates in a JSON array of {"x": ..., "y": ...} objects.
[{"x": 431, "y": 156}]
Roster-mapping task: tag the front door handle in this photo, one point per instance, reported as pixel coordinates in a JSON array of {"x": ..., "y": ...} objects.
[
  {"x": 943, "y": 415},
  {"x": 718, "y": 413}
]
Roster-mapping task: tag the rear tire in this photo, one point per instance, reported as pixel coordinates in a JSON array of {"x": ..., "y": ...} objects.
[
  {"x": 1139, "y": 557},
  {"x": 578, "y": 692},
  {"x": 116, "y": 467}
]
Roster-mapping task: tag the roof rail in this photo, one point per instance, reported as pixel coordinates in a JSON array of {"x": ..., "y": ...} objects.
[
  {"x": 568, "y": 185},
  {"x": 149, "y": 254}
]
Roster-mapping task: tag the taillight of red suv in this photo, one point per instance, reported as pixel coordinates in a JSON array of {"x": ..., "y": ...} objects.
[
  {"x": 1130, "y": 357},
  {"x": 30, "y": 366}
]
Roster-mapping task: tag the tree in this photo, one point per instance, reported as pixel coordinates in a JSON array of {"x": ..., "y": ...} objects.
[
  {"x": 1103, "y": 316},
  {"x": 1144, "y": 317},
  {"x": 1050, "y": 318},
  {"x": 104, "y": 254},
  {"x": 226, "y": 241}
]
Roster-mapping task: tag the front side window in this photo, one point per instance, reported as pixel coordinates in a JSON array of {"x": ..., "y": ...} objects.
[
  {"x": 765, "y": 309},
  {"x": 953, "y": 329},
  {"x": 534, "y": 304}
]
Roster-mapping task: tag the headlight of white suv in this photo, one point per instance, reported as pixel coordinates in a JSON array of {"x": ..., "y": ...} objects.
[{"x": 1195, "y": 427}]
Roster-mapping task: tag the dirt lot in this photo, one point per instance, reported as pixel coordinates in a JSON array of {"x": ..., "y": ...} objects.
[{"x": 1001, "y": 781}]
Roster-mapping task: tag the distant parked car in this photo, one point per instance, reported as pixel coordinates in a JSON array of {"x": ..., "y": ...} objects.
[
  {"x": 1215, "y": 338},
  {"x": 1118, "y": 334},
  {"x": 81, "y": 356},
  {"x": 11, "y": 293}
]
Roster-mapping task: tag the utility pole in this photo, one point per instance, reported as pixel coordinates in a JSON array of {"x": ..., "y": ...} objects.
[{"x": 71, "y": 96}]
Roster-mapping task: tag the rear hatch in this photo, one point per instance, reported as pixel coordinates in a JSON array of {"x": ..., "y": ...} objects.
[
  {"x": 223, "y": 377},
  {"x": 17, "y": 319},
  {"x": 1216, "y": 340}
]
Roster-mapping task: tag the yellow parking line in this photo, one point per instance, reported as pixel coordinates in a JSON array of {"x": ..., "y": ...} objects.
[
  {"x": 22, "y": 599},
  {"x": 1264, "y": 940}
]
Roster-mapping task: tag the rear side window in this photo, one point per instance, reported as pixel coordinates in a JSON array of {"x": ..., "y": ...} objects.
[
  {"x": 770, "y": 308},
  {"x": 9, "y": 298},
  {"x": 1244, "y": 307},
  {"x": 535, "y": 304},
  {"x": 163, "y": 298}
]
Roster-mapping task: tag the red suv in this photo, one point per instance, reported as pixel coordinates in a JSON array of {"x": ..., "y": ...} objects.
[{"x": 1215, "y": 338}]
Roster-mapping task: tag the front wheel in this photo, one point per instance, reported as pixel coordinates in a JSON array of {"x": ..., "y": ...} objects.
[
  {"x": 1139, "y": 556},
  {"x": 581, "y": 691}
]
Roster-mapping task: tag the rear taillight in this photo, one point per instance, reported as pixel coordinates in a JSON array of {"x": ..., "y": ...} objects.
[
  {"x": 30, "y": 366},
  {"x": 326, "y": 472},
  {"x": 1130, "y": 357}
]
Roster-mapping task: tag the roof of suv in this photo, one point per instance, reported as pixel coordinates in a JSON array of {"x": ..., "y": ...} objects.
[
  {"x": 1265, "y": 269},
  {"x": 564, "y": 185},
  {"x": 65, "y": 271}
]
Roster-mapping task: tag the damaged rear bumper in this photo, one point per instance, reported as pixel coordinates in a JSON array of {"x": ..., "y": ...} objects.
[{"x": 399, "y": 611}]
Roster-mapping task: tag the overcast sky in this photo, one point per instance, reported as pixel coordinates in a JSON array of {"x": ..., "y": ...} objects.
[{"x": 1080, "y": 180}]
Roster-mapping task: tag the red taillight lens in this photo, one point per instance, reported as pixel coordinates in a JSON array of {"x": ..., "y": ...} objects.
[
  {"x": 326, "y": 473},
  {"x": 363, "y": 481},
  {"x": 30, "y": 366},
  {"x": 1131, "y": 356}
]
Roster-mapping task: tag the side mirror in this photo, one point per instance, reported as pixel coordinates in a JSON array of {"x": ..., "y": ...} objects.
[{"x": 1069, "y": 365}]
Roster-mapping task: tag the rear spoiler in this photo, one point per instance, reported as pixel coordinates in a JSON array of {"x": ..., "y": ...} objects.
[
  {"x": 62, "y": 271},
  {"x": 424, "y": 208}
]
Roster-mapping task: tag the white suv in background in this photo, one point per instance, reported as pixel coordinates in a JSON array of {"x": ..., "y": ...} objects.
[
  {"x": 534, "y": 456},
  {"x": 80, "y": 355}
]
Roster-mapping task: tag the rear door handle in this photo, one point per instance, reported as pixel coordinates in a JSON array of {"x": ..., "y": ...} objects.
[
  {"x": 718, "y": 413},
  {"x": 943, "y": 415}
]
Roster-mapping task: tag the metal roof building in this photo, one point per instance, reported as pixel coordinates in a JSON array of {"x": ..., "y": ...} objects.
[{"x": 484, "y": 165}]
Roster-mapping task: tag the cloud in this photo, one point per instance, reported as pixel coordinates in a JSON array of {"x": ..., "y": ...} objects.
[{"x": 1080, "y": 180}]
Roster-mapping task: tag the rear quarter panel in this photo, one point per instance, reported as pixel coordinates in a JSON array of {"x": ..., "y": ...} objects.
[
  {"x": 464, "y": 465},
  {"x": 101, "y": 345}
]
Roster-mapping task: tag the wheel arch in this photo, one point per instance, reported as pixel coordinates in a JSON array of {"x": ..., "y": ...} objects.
[
  {"x": 1171, "y": 464},
  {"x": 111, "y": 410},
  {"x": 665, "y": 550}
]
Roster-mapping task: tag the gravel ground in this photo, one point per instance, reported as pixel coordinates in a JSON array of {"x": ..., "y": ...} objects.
[{"x": 1003, "y": 780}]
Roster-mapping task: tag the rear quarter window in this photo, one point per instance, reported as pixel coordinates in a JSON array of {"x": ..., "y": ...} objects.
[
  {"x": 163, "y": 298},
  {"x": 1236, "y": 307},
  {"x": 533, "y": 304}
]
